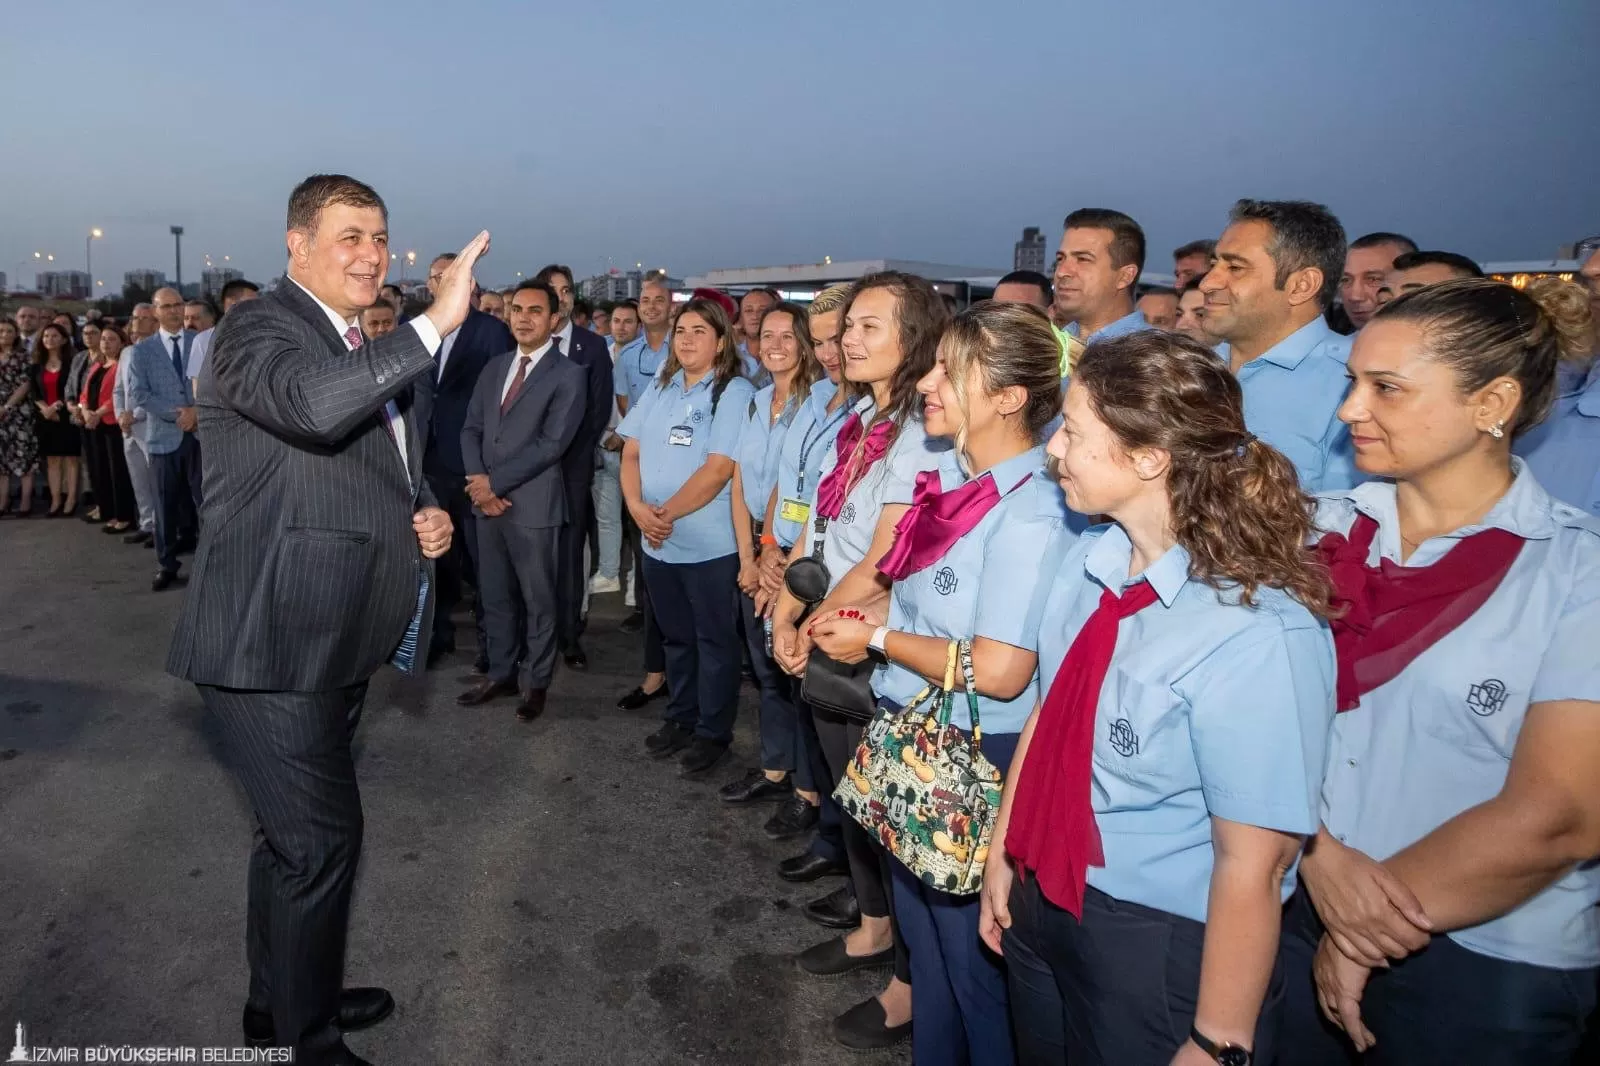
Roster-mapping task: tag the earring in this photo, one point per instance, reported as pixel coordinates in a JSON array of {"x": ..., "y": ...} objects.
[{"x": 1498, "y": 430}]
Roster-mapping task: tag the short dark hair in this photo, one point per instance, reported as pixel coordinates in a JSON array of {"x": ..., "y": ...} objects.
[
  {"x": 1304, "y": 234},
  {"x": 200, "y": 301},
  {"x": 1205, "y": 248},
  {"x": 381, "y": 305},
  {"x": 325, "y": 190},
  {"x": 1030, "y": 277},
  {"x": 1463, "y": 266},
  {"x": 580, "y": 306},
  {"x": 1381, "y": 238},
  {"x": 625, "y": 305},
  {"x": 238, "y": 285},
  {"x": 539, "y": 285},
  {"x": 552, "y": 270},
  {"x": 1127, "y": 239}
]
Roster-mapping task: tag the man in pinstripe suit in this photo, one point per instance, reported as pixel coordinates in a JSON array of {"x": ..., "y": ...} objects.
[{"x": 312, "y": 571}]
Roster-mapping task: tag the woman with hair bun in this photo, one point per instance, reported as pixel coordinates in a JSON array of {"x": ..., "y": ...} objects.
[
  {"x": 1160, "y": 793},
  {"x": 1449, "y": 905}
]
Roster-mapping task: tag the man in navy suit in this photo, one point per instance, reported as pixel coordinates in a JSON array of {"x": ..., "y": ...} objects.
[
  {"x": 442, "y": 402},
  {"x": 589, "y": 351}
]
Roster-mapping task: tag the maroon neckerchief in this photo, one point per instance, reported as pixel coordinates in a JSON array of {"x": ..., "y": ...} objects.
[
  {"x": 847, "y": 474},
  {"x": 1394, "y": 613},
  {"x": 936, "y": 520},
  {"x": 1052, "y": 830}
]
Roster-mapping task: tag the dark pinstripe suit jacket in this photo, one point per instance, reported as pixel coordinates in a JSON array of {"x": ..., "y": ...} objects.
[{"x": 308, "y": 567}]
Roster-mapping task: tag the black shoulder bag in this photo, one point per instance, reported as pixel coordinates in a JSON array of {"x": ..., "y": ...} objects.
[{"x": 834, "y": 686}]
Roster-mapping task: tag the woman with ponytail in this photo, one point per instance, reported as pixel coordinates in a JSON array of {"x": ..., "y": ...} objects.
[
  {"x": 1448, "y": 910},
  {"x": 1161, "y": 791}
]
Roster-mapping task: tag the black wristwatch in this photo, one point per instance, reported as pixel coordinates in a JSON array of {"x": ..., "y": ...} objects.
[{"x": 1225, "y": 1054}]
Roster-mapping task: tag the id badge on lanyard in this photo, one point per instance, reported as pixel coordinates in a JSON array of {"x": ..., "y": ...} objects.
[
  {"x": 682, "y": 435},
  {"x": 796, "y": 511}
]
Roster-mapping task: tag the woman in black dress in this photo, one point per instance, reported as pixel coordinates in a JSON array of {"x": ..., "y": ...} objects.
[
  {"x": 108, "y": 466},
  {"x": 60, "y": 442}
]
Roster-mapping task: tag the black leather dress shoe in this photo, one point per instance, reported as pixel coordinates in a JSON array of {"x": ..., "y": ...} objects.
[
  {"x": 830, "y": 959},
  {"x": 486, "y": 690},
  {"x": 139, "y": 537},
  {"x": 532, "y": 705},
  {"x": 810, "y": 866},
  {"x": 865, "y": 1027},
  {"x": 640, "y": 698},
  {"x": 165, "y": 579},
  {"x": 670, "y": 738},
  {"x": 701, "y": 756},
  {"x": 359, "y": 1008},
  {"x": 794, "y": 818},
  {"x": 575, "y": 658},
  {"x": 756, "y": 787},
  {"x": 837, "y": 910},
  {"x": 634, "y": 623}
]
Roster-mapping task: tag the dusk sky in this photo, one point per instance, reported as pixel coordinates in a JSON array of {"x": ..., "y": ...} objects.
[{"x": 697, "y": 135}]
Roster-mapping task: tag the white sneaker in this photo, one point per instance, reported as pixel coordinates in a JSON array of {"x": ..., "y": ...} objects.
[{"x": 600, "y": 584}]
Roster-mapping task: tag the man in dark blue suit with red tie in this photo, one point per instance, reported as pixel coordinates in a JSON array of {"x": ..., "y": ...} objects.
[{"x": 442, "y": 407}]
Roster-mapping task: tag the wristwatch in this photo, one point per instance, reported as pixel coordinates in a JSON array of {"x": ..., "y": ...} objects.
[
  {"x": 879, "y": 635},
  {"x": 1225, "y": 1054}
]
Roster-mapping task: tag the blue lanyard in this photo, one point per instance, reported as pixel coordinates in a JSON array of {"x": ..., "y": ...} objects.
[{"x": 808, "y": 442}]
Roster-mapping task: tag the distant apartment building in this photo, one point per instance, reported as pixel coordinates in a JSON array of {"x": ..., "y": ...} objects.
[
  {"x": 64, "y": 284},
  {"x": 1029, "y": 252},
  {"x": 212, "y": 280},
  {"x": 145, "y": 279}
]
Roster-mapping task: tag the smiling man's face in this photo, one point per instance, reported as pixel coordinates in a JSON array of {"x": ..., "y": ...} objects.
[{"x": 344, "y": 261}]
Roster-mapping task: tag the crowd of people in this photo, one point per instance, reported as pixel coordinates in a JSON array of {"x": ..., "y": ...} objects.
[{"x": 1269, "y": 600}]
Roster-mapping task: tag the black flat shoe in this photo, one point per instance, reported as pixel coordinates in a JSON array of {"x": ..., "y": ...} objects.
[
  {"x": 794, "y": 818},
  {"x": 575, "y": 659},
  {"x": 359, "y": 1008},
  {"x": 830, "y": 959},
  {"x": 138, "y": 537},
  {"x": 633, "y": 623},
  {"x": 670, "y": 738},
  {"x": 701, "y": 756},
  {"x": 810, "y": 867},
  {"x": 640, "y": 698},
  {"x": 837, "y": 910},
  {"x": 756, "y": 787},
  {"x": 865, "y": 1027}
]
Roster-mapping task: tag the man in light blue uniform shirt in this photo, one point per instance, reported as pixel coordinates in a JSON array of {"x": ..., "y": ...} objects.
[
  {"x": 1097, "y": 272},
  {"x": 1277, "y": 268},
  {"x": 1563, "y": 451},
  {"x": 637, "y": 363},
  {"x": 752, "y": 306}
]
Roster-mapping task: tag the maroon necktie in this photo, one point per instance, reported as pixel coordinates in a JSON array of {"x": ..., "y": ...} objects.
[{"x": 516, "y": 383}]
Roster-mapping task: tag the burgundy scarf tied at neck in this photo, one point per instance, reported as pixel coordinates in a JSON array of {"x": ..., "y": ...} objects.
[{"x": 832, "y": 490}]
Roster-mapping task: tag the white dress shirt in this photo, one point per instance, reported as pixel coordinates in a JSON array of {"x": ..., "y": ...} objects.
[
  {"x": 511, "y": 371},
  {"x": 445, "y": 346},
  {"x": 197, "y": 353},
  {"x": 564, "y": 335},
  {"x": 425, "y": 333}
]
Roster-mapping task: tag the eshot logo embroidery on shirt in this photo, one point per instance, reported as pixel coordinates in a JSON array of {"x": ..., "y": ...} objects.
[
  {"x": 944, "y": 581},
  {"x": 1486, "y": 697},
  {"x": 699, "y": 416},
  {"x": 848, "y": 514},
  {"x": 1123, "y": 738}
]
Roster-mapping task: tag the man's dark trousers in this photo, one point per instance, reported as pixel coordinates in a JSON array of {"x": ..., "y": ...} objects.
[{"x": 177, "y": 495}]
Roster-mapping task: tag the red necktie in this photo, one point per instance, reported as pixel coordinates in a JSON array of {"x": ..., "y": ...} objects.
[
  {"x": 516, "y": 383},
  {"x": 1052, "y": 830}
]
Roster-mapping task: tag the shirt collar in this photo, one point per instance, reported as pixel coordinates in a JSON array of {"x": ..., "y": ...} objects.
[
  {"x": 170, "y": 337},
  {"x": 1525, "y": 510},
  {"x": 1589, "y": 392},
  {"x": 536, "y": 353},
  {"x": 1007, "y": 474},
  {"x": 1128, "y": 323},
  {"x": 706, "y": 382},
  {"x": 564, "y": 334},
  {"x": 822, "y": 391},
  {"x": 341, "y": 325},
  {"x": 1289, "y": 352},
  {"x": 1107, "y": 562}
]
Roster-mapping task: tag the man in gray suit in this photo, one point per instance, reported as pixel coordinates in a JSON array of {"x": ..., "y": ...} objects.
[
  {"x": 526, "y": 410},
  {"x": 312, "y": 571}
]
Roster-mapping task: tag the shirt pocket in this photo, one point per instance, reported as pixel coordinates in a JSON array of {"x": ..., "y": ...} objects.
[{"x": 1139, "y": 735}]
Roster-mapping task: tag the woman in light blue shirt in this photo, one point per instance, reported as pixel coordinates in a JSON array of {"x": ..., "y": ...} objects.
[
  {"x": 677, "y": 464},
  {"x": 1449, "y": 912},
  {"x": 789, "y": 360},
  {"x": 1160, "y": 793},
  {"x": 892, "y": 325},
  {"x": 981, "y": 577}
]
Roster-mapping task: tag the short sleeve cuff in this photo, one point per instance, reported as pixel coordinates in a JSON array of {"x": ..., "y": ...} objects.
[{"x": 1300, "y": 818}]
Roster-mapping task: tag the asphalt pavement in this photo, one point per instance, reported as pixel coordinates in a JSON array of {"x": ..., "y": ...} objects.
[{"x": 530, "y": 893}]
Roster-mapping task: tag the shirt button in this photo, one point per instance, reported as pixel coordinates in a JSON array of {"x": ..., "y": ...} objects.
[
  {"x": 1339, "y": 837},
  {"x": 381, "y": 379},
  {"x": 1350, "y": 762}
]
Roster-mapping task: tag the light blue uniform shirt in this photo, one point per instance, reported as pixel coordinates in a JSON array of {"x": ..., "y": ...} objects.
[
  {"x": 806, "y": 442},
  {"x": 757, "y": 452},
  {"x": 991, "y": 583},
  {"x": 1563, "y": 451},
  {"x": 1292, "y": 392},
  {"x": 668, "y": 414},
  {"x": 636, "y": 366},
  {"x": 892, "y": 480},
  {"x": 1209, "y": 708},
  {"x": 1131, "y": 323},
  {"x": 750, "y": 366},
  {"x": 1438, "y": 739}
]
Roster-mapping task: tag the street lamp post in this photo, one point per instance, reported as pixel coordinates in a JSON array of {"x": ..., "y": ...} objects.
[
  {"x": 411, "y": 261},
  {"x": 88, "y": 255},
  {"x": 177, "y": 251}
]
